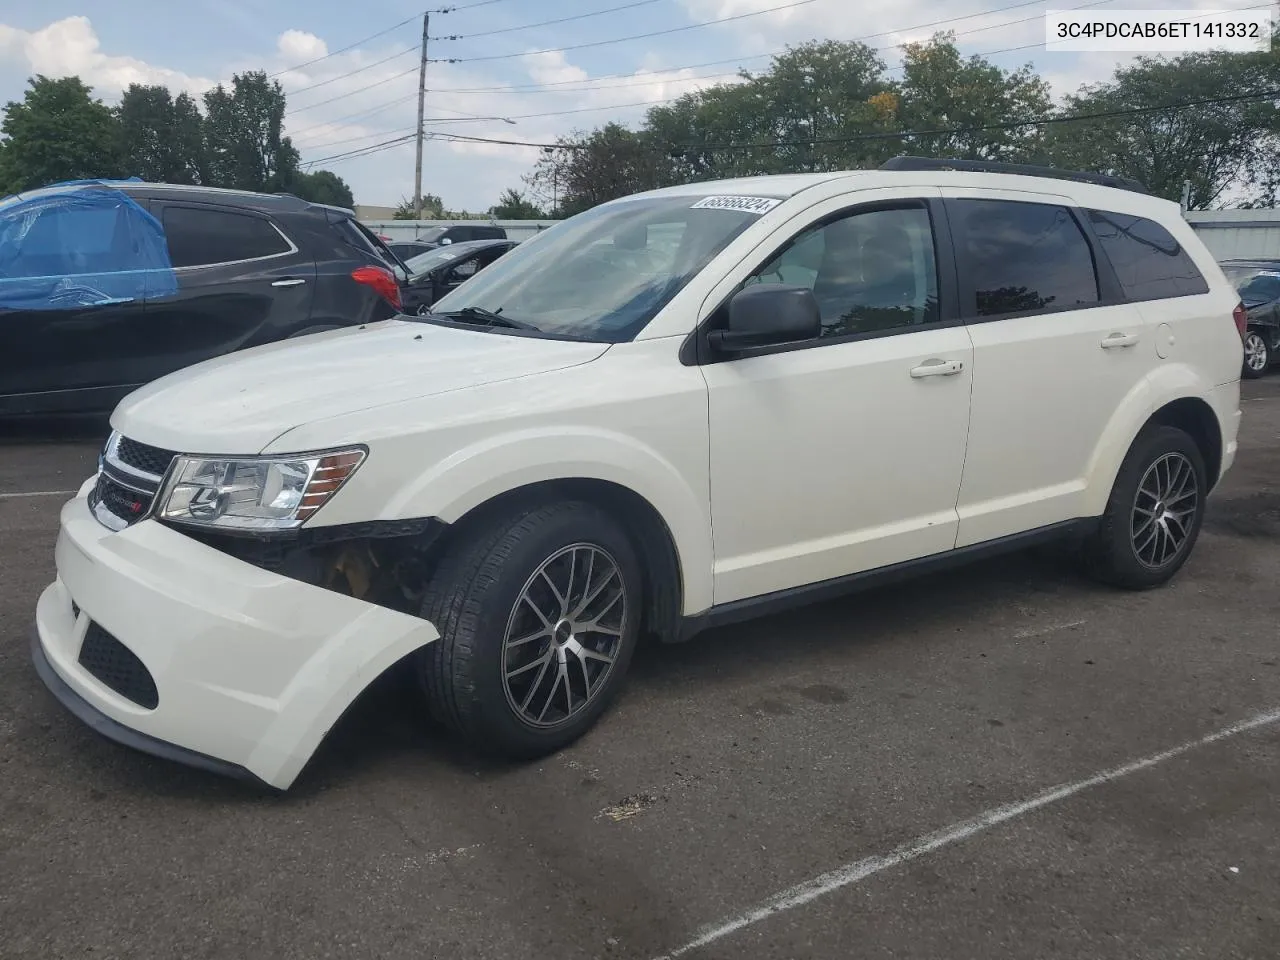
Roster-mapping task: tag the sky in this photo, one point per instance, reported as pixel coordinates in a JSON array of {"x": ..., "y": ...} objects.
[{"x": 350, "y": 90}]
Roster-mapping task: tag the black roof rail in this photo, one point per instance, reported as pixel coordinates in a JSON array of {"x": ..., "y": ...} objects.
[{"x": 1018, "y": 169}]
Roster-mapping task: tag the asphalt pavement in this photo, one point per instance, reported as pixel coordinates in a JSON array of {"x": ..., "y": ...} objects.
[{"x": 1001, "y": 762}]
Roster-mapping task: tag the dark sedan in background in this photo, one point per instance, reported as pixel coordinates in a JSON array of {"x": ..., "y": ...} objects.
[
  {"x": 433, "y": 274},
  {"x": 1258, "y": 282}
]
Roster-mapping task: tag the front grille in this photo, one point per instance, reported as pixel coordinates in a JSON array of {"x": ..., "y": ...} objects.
[
  {"x": 118, "y": 667},
  {"x": 127, "y": 505},
  {"x": 142, "y": 457}
]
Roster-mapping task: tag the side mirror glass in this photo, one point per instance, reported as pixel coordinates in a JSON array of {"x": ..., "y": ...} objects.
[{"x": 766, "y": 314}]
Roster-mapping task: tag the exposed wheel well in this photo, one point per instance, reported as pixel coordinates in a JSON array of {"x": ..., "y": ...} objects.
[
  {"x": 639, "y": 518},
  {"x": 1196, "y": 418}
]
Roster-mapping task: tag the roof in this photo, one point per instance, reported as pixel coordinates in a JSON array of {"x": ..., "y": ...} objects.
[
  {"x": 784, "y": 186},
  {"x": 245, "y": 199}
]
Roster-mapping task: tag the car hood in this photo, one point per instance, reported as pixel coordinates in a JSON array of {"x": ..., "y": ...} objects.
[
  {"x": 241, "y": 402},
  {"x": 1252, "y": 303}
]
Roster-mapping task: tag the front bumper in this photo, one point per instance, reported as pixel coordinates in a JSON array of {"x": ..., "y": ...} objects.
[{"x": 252, "y": 669}]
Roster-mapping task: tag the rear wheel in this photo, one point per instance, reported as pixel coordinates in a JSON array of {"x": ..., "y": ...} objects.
[
  {"x": 1257, "y": 355},
  {"x": 538, "y": 613},
  {"x": 1154, "y": 514}
]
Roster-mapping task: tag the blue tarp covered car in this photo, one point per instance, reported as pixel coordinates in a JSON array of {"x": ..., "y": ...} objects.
[{"x": 81, "y": 244}]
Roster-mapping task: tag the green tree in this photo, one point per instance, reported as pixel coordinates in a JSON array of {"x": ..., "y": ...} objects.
[
  {"x": 942, "y": 90},
  {"x": 161, "y": 137},
  {"x": 1221, "y": 148},
  {"x": 586, "y": 170},
  {"x": 323, "y": 186},
  {"x": 514, "y": 205},
  {"x": 244, "y": 144},
  {"x": 432, "y": 208},
  {"x": 57, "y": 132}
]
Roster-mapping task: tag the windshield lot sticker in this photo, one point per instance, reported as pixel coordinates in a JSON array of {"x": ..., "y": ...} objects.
[{"x": 756, "y": 205}]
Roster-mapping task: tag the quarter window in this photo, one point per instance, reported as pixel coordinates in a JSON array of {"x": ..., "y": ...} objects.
[
  {"x": 1149, "y": 262},
  {"x": 869, "y": 271},
  {"x": 1023, "y": 257},
  {"x": 198, "y": 237}
]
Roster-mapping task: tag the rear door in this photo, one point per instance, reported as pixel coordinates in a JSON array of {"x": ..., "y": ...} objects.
[
  {"x": 1056, "y": 352},
  {"x": 241, "y": 281}
]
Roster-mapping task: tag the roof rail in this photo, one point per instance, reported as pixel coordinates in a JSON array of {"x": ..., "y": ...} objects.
[{"x": 1018, "y": 169}]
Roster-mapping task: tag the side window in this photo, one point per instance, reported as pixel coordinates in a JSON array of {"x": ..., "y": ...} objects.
[
  {"x": 1022, "y": 257},
  {"x": 869, "y": 271},
  {"x": 1150, "y": 263},
  {"x": 200, "y": 236}
]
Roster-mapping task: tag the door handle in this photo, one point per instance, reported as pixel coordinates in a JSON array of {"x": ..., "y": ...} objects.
[
  {"x": 1119, "y": 340},
  {"x": 937, "y": 368},
  {"x": 288, "y": 283}
]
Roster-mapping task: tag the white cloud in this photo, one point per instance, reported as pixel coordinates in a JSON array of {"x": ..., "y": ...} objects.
[
  {"x": 70, "y": 47},
  {"x": 300, "y": 45}
]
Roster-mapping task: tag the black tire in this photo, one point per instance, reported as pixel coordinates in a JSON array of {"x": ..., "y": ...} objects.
[
  {"x": 1111, "y": 555},
  {"x": 1255, "y": 344},
  {"x": 471, "y": 600}
]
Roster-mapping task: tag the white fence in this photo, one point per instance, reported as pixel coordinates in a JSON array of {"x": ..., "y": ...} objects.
[{"x": 412, "y": 229}]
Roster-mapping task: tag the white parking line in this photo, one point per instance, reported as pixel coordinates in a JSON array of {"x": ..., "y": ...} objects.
[
  {"x": 38, "y": 493},
  {"x": 859, "y": 870}
]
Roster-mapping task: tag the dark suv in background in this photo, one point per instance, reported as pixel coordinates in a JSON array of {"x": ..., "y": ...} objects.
[{"x": 105, "y": 286}]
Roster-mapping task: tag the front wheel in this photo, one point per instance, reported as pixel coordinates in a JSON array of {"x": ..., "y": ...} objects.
[
  {"x": 539, "y": 614},
  {"x": 1257, "y": 355},
  {"x": 1153, "y": 517}
]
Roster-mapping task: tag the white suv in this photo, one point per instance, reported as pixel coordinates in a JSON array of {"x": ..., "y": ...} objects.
[{"x": 675, "y": 410}]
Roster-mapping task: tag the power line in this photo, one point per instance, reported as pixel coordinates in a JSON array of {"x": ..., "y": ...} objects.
[
  {"x": 343, "y": 96},
  {"x": 548, "y": 23},
  {"x": 760, "y": 56},
  {"x": 363, "y": 114},
  {"x": 352, "y": 73},
  {"x": 350, "y": 46},
  {"x": 465, "y": 6},
  {"x": 637, "y": 36},
  {"x": 907, "y": 134}
]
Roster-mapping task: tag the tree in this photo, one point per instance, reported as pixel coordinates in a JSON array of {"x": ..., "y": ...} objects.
[
  {"x": 244, "y": 146},
  {"x": 586, "y": 170},
  {"x": 942, "y": 90},
  {"x": 432, "y": 208},
  {"x": 58, "y": 132},
  {"x": 514, "y": 205},
  {"x": 323, "y": 186},
  {"x": 1219, "y": 147},
  {"x": 161, "y": 138}
]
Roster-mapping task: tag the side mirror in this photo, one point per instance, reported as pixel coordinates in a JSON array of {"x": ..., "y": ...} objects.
[{"x": 767, "y": 314}]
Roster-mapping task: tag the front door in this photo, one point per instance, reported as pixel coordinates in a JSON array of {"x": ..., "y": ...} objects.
[{"x": 844, "y": 454}]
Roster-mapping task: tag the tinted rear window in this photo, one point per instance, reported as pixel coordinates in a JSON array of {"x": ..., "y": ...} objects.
[
  {"x": 1150, "y": 263},
  {"x": 1023, "y": 257},
  {"x": 201, "y": 236}
]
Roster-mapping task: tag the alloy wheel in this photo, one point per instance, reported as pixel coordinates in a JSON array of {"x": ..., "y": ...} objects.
[
  {"x": 1164, "y": 510},
  {"x": 1255, "y": 352},
  {"x": 563, "y": 635}
]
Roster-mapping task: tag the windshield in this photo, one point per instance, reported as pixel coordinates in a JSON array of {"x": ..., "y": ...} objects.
[
  {"x": 433, "y": 258},
  {"x": 432, "y": 235},
  {"x": 1255, "y": 283},
  {"x": 604, "y": 274}
]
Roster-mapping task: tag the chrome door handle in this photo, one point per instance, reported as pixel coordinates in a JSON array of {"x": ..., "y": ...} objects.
[
  {"x": 287, "y": 283},
  {"x": 1119, "y": 340},
  {"x": 937, "y": 368}
]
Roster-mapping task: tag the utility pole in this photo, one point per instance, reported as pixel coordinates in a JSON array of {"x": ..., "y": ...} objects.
[{"x": 422, "y": 103}]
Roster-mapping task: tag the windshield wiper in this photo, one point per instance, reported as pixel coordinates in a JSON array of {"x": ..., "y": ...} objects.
[{"x": 490, "y": 318}]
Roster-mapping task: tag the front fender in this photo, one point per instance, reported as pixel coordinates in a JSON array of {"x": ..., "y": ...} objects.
[{"x": 477, "y": 473}]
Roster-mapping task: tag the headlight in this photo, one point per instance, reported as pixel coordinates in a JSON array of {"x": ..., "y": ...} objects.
[{"x": 254, "y": 493}]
